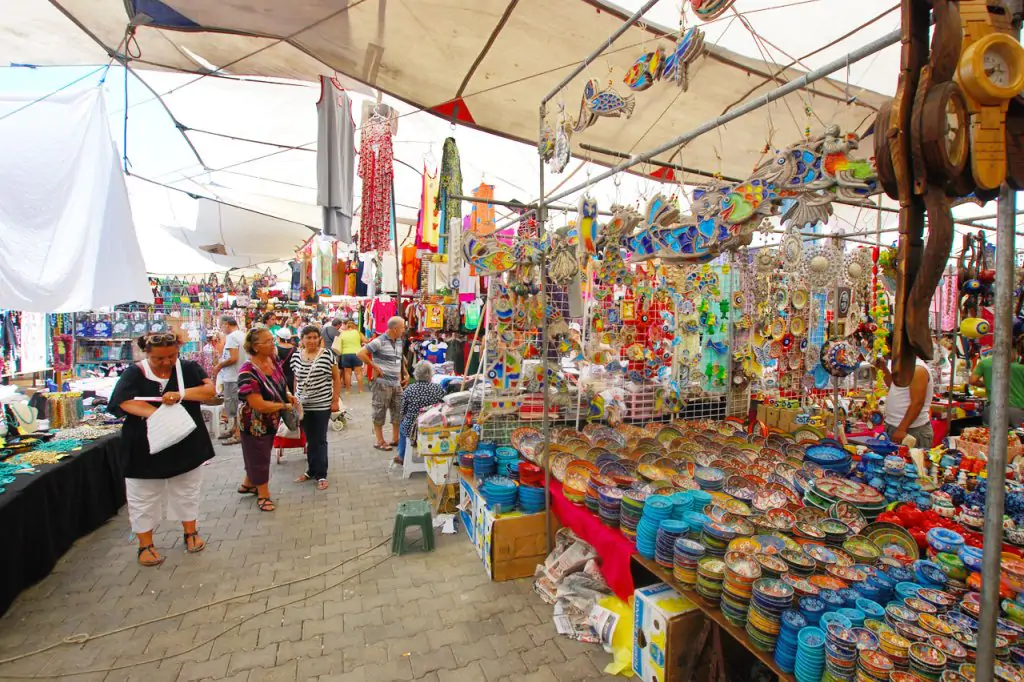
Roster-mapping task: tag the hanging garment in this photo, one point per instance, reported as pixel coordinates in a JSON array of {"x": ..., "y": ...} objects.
[
  {"x": 335, "y": 159},
  {"x": 483, "y": 214},
  {"x": 410, "y": 269},
  {"x": 376, "y": 169},
  {"x": 450, "y": 184},
  {"x": 382, "y": 312},
  {"x": 472, "y": 312},
  {"x": 428, "y": 230},
  {"x": 469, "y": 285},
  {"x": 389, "y": 273},
  {"x": 434, "y": 317}
]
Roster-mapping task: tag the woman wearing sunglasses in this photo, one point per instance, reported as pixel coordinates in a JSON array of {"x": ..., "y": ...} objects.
[{"x": 172, "y": 477}]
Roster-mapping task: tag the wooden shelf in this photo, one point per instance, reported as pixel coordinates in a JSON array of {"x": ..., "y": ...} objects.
[{"x": 713, "y": 614}]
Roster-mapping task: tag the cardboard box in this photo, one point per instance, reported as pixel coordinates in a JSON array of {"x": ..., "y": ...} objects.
[
  {"x": 665, "y": 626},
  {"x": 510, "y": 545},
  {"x": 441, "y": 469},
  {"x": 444, "y": 497}
]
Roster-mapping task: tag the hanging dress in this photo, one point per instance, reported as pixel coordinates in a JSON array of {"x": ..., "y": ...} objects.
[
  {"x": 450, "y": 184},
  {"x": 376, "y": 169},
  {"x": 428, "y": 231},
  {"x": 335, "y": 159},
  {"x": 483, "y": 214}
]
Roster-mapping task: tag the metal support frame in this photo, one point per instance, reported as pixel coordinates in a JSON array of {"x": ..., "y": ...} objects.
[{"x": 998, "y": 424}]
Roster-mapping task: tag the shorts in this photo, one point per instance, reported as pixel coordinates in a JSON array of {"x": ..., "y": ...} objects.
[
  {"x": 386, "y": 396},
  {"x": 350, "y": 361},
  {"x": 231, "y": 399}
]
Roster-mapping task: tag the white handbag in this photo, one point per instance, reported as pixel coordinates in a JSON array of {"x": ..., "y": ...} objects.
[{"x": 170, "y": 424}]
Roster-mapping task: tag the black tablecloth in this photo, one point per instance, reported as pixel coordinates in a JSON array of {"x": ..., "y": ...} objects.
[{"x": 42, "y": 514}]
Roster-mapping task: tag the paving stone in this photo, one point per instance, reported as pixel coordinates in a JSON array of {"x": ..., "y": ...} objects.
[
  {"x": 265, "y": 657},
  {"x": 540, "y": 656},
  {"x": 503, "y": 666},
  {"x": 577, "y": 669},
  {"x": 216, "y": 668},
  {"x": 469, "y": 673},
  {"x": 475, "y": 651},
  {"x": 511, "y": 642},
  {"x": 456, "y": 634},
  {"x": 435, "y": 660},
  {"x": 307, "y": 648}
]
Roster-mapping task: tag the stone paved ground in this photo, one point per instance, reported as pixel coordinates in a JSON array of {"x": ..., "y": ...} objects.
[{"x": 433, "y": 617}]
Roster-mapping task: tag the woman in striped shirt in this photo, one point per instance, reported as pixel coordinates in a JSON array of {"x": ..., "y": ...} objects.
[{"x": 318, "y": 387}]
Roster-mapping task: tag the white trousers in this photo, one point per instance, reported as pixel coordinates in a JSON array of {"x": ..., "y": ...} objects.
[{"x": 152, "y": 499}]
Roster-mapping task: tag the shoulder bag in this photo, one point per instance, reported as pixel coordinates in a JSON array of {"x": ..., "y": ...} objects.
[
  {"x": 290, "y": 416},
  {"x": 170, "y": 424}
]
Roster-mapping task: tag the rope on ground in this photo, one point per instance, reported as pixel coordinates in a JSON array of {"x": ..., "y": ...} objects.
[{"x": 83, "y": 638}]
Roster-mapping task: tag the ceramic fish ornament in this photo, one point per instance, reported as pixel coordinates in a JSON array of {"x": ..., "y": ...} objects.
[
  {"x": 707, "y": 10},
  {"x": 687, "y": 49},
  {"x": 587, "y": 226},
  {"x": 598, "y": 103},
  {"x": 488, "y": 255},
  {"x": 645, "y": 70}
]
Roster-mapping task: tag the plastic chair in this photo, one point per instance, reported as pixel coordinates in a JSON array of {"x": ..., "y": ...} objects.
[
  {"x": 412, "y": 462},
  {"x": 213, "y": 412},
  {"x": 415, "y": 513}
]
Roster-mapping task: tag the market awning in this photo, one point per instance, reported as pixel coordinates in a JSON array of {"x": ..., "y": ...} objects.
[{"x": 485, "y": 64}]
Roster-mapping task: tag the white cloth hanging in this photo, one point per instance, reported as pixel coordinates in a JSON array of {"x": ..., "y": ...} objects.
[{"x": 67, "y": 239}]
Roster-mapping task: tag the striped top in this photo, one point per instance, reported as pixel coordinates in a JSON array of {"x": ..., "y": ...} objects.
[{"x": 314, "y": 387}]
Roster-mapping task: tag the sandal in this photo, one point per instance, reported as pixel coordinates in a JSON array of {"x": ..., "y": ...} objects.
[
  {"x": 265, "y": 504},
  {"x": 230, "y": 441},
  {"x": 394, "y": 445},
  {"x": 247, "y": 489},
  {"x": 382, "y": 446},
  {"x": 198, "y": 545},
  {"x": 303, "y": 478},
  {"x": 322, "y": 484},
  {"x": 155, "y": 561}
]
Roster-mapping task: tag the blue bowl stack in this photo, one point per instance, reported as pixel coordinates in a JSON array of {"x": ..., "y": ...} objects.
[
  {"x": 829, "y": 457},
  {"x": 850, "y": 597},
  {"x": 609, "y": 505},
  {"x": 785, "y": 645},
  {"x": 500, "y": 492},
  {"x": 856, "y": 617},
  {"x": 669, "y": 531},
  {"x": 710, "y": 478},
  {"x": 688, "y": 554},
  {"x": 832, "y": 599},
  {"x": 484, "y": 465},
  {"x": 695, "y": 524},
  {"x": 841, "y": 649},
  {"x": 513, "y": 470},
  {"x": 531, "y": 500},
  {"x": 812, "y": 609},
  {"x": 505, "y": 457},
  {"x": 810, "y": 655},
  {"x": 630, "y": 512},
  {"x": 682, "y": 502},
  {"x": 700, "y": 499},
  {"x": 656, "y": 509},
  {"x": 871, "y": 609}
]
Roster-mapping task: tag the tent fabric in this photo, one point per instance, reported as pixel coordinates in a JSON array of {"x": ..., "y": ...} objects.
[
  {"x": 67, "y": 240},
  {"x": 237, "y": 237},
  {"x": 433, "y": 53}
]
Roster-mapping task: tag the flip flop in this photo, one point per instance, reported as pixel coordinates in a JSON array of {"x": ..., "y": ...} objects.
[
  {"x": 322, "y": 484},
  {"x": 385, "y": 447},
  {"x": 303, "y": 478},
  {"x": 247, "y": 489}
]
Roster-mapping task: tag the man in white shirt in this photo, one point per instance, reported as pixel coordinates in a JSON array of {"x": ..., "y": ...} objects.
[{"x": 231, "y": 360}]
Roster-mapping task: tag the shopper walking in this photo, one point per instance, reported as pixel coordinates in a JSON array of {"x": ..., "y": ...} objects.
[
  {"x": 419, "y": 394},
  {"x": 262, "y": 387},
  {"x": 331, "y": 332},
  {"x": 170, "y": 478},
  {"x": 982, "y": 378},
  {"x": 285, "y": 349},
  {"x": 318, "y": 388},
  {"x": 384, "y": 356},
  {"x": 350, "y": 341},
  {"x": 231, "y": 360}
]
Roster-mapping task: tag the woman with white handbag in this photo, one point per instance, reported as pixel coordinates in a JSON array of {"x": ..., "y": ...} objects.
[
  {"x": 266, "y": 403},
  {"x": 164, "y": 441},
  {"x": 318, "y": 388}
]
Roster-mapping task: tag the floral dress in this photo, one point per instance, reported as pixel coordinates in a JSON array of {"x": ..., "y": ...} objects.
[{"x": 273, "y": 388}]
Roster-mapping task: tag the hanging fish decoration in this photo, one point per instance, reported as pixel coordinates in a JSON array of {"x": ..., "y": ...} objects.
[
  {"x": 488, "y": 255},
  {"x": 596, "y": 103},
  {"x": 708, "y": 10},
  {"x": 645, "y": 70},
  {"x": 689, "y": 47},
  {"x": 587, "y": 226}
]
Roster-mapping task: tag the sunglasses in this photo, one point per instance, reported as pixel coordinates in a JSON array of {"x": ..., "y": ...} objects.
[{"x": 163, "y": 338}]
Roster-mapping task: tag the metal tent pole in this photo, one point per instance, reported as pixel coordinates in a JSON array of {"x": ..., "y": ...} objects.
[
  {"x": 790, "y": 87},
  {"x": 546, "y": 419},
  {"x": 596, "y": 53},
  {"x": 998, "y": 425}
]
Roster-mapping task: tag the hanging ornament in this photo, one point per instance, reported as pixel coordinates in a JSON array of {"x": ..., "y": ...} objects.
[
  {"x": 645, "y": 70},
  {"x": 587, "y": 225},
  {"x": 822, "y": 265},
  {"x": 597, "y": 103},
  {"x": 858, "y": 267},
  {"x": 688, "y": 48},
  {"x": 709, "y": 10},
  {"x": 791, "y": 249}
]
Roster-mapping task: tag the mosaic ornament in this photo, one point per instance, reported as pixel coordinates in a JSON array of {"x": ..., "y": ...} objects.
[
  {"x": 562, "y": 151},
  {"x": 791, "y": 249},
  {"x": 858, "y": 267},
  {"x": 645, "y": 70},
  {"x": 688, "y": 48},
  {"x": 823, "y": 265},
  {"x": 587, "y": 225},
  {"x": 709, "y": 10},
  {"x": 623, "y": 220},
  {"x": 504, "y": 370},
  {"x": 597, "y": 103}
]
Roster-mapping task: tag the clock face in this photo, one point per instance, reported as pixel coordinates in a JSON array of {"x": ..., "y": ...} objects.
[
  {"x": 955, "y": 131},
  {"x": 997, "y": 69}
]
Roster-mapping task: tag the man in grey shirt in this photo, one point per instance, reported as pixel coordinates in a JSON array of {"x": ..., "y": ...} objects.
[
  {"x": 384, "y": 356},
  {"x": 232, "y": 359},
  {"x": 331, "y": 331}
]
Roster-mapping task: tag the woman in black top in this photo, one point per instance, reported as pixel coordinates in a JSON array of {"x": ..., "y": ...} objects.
[{"x": 171, "y": 477}]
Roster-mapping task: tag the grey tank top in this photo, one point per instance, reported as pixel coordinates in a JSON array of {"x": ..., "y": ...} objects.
[{"x": 335, "y": 159}]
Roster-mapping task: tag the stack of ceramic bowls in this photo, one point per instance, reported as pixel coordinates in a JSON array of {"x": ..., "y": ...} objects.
[
  {"x": 630, "y": 512},
  {"x": 875, "y": 587},
  {"x": 871, "y": 609},
  {"x": 812, "y": 609},
  {"x": 835, "y": 531},
  {"x": 832, "y": 599},
  {"x": 834, "y": 617},
  {"x": 840, "y": 652},
  {"x": 737, "y": 590},
  {"x": 531, "y": 474},
  {"x": 785, "y": 646},
  {"x": 484, "y": 465},
  {"x": 800, "y": 564},
  {"x": 682, "y": 502},
  {"x": 945, "y": 540},
  {"x": 709, "y": 478},
  {"x": 771, "y": 565},
  {"x": 929, "y": 574},
  {"x": 695, "y": 522},
  {"x": 610, "y": 503},
  {"x": 956, "y": 653},
  {"x": 665, "y": 544},
  {"x": 856, "y": 617},
  {"x": 500, "y": 492},
  {"x": 716, "y": 537},
  {"x": 700, "y": 500},
  {"x": 657, "y": 508},
  {"x": 866, "y": 639},
  {"x": 594, "y": 485},
  {"x": 688, "y": 554},
  {"x": 466, "y": 465},
  {"x": 531, "y": 500},
  {"x": 771, "y": 598},
  {"x": 810, "y": 655},
  {"x": 710, "y": 574},
  {"x": 505, "y": 457},
  {"x": 513, "y": 470},
  {"x": 942, "y": 601},
  {"x": 873, "y": 666},
  {"x": 896, "y": 647},
  {"x": 926, "y": 661}
]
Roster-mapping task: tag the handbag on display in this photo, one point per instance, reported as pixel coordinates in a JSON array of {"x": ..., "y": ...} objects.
[
  {"x": 290, "y": 416},
  {"x": 170, "y": 424}
]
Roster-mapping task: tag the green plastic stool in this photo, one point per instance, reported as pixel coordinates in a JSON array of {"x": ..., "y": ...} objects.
[{"x": 410, "y": 515}]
